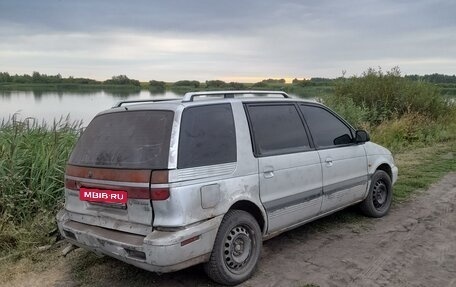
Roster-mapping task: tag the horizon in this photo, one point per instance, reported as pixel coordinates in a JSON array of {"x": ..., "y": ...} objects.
[
  {"x": 287, "y": 80},
  {"x": 205, "y": 40}
]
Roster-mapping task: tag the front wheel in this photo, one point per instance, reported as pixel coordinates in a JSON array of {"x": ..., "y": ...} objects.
[
  {"x": 236, "y": 249},
  {"x": 378, "y": 200}
]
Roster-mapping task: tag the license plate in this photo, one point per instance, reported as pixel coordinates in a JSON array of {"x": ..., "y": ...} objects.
[{"x": 103, "y": 195}]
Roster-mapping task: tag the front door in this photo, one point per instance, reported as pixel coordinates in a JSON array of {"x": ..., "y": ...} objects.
[
  {"x": 344, "y": 176},
  {"x": 343, "y": 162}
]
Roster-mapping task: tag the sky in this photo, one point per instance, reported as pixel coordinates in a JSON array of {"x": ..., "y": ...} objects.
[{"x": 236, "y": 40}]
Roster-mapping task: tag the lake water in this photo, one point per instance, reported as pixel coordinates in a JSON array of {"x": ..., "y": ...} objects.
[
  {"x": 48, "y": 106},
  {"x": 83, "y": 106}
]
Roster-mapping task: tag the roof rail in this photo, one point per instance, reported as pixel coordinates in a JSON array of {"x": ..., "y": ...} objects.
[
  {"x": 188, "y": 97},
  {"x": 119, "y": 104}
]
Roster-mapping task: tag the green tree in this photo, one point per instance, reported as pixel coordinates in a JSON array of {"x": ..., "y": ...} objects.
[
  {"x": 186, "y": 83},
  {"x": 236, "y": 86},
  {"x": 122, "y": 80},
  {"x": 216, "y": 84},
  {"x": 5, "y": 77},
  {"x": 157, "y": 85},
  {"x": 36, "y": 77}
]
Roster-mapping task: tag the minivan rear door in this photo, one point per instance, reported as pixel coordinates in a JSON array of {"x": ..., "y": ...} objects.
[{"x": 108, "y": 176}]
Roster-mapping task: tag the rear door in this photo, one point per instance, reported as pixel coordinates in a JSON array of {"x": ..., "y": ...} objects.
[
  {"x": 344, "y": 163},
  {"x": 108, "y": 177},
  {"x": 289, "y": 168}
]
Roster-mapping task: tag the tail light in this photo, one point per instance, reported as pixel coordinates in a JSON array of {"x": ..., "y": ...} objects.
[
  {"x": 143, "y": 176},
  {"x": 71, "y": 184},
  {"x": 159, "y": 193},
  {"x": 159, "y": 177}
]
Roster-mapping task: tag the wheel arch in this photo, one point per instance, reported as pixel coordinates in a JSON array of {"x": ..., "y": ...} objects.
[
  {"x": 367, "y": 206},
  {"x": 386, "y": 168},
  {"x": 253, "y": 209}
]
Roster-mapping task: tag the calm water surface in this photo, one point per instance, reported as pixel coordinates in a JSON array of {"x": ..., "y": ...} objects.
[
  {"x": 83, "y": 106},
  {"x": 47, "y": 106}
]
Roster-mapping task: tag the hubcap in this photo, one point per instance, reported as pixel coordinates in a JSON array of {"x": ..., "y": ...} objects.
[
  {"x": 237, "y": 248},
  {"x": 379, "y": 194}
]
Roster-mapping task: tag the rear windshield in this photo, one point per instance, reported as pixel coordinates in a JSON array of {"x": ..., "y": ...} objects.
[{"x": 133, "y": 140}]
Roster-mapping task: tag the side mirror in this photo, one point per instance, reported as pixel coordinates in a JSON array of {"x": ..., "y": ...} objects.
[
  {"x": 343, "y": 139},
  {"x": 361, "y": 136}
]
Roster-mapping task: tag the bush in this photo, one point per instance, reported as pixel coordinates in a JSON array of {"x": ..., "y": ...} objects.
[
  {"x": 157, "y": 85},
  {"x": 388, "y": 95},
  {"x": 236, "y": 86},
  {"x": 260, "y": 85},
  {"x": 356, "y": 115},
  {"x": 122, "y": 80},
  {"x": 217, "y": 84},
  {"x": 414, "y": 129},
  {"x": 186, "y": 83},
  {"x": 397, "y": 111}
]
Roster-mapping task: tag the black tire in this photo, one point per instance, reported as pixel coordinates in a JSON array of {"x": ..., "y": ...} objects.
[
  {"x": 378, "y": 200},
  {"x": 236, "y": 249}
]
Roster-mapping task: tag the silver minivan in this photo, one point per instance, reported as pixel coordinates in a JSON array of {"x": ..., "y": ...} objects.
[{"x": 167, "y": 184}]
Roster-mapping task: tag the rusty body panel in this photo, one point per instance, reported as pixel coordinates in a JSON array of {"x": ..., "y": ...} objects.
[
  {"x": 108, "y": 173},
  {"x": 135, "y": 216}
]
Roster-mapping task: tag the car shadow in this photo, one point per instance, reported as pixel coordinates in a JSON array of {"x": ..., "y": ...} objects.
[{"x": 89, "y": 270}]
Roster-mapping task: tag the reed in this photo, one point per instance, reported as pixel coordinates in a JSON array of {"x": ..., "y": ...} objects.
[{"x": 32, "y": 162}]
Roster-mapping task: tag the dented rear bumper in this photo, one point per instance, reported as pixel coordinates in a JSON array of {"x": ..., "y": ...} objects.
[{"x": 159, "y": 251}]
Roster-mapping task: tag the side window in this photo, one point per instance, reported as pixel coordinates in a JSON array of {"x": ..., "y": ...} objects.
[
  {"x": 277, "y": 129},
  {"x": 327, "y": 130},
  {"x": 207, "y": 136}
]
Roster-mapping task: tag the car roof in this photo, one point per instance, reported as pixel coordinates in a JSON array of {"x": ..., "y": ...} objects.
[{"x": 208, "y": 97}]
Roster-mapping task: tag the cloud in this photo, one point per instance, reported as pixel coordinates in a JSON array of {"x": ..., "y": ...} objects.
[{"x": 171, "y": 40}]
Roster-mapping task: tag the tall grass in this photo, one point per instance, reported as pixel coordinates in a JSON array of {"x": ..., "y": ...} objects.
[
  {"x": 397, "y": 111},
  {"x": 32, "y": 161},
  {"x": 388, "y": 95}
]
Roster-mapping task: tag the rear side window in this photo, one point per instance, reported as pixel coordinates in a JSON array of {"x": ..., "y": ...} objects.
[
  {"x": 207, "y": 136},
  {"x": 327, "y": 130},
  {"x": 132, "y": 140},
  {"x": 277, "y": 129}
]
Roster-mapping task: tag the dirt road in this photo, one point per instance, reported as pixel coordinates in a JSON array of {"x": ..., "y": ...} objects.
[{"x": 415, "y": 245}]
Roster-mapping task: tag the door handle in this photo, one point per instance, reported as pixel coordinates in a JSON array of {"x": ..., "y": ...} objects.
[
  {"x": 329, "y": 161},
  {"x": 268, "y": 174}
]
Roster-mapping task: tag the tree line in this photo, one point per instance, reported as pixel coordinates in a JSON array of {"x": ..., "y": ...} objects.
[
  {"x": 434, "y": 78},
  {"x": 123, "y": 80},
  {"x": 38, "y": 78}
]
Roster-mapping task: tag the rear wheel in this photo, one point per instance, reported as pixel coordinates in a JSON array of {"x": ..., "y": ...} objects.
[
  {"x": 236, "y": 249},
  {"x": 378, "y": 200}
]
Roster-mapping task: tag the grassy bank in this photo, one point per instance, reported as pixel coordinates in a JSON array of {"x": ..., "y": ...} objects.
[
  {"x": 420, "y": 167},
  {"x": 32, "y": 161},
  {"x": 399, "y": 113}
]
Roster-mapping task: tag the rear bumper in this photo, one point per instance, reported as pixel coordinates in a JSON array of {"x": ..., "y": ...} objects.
[{"x": 159, "y": 251}]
